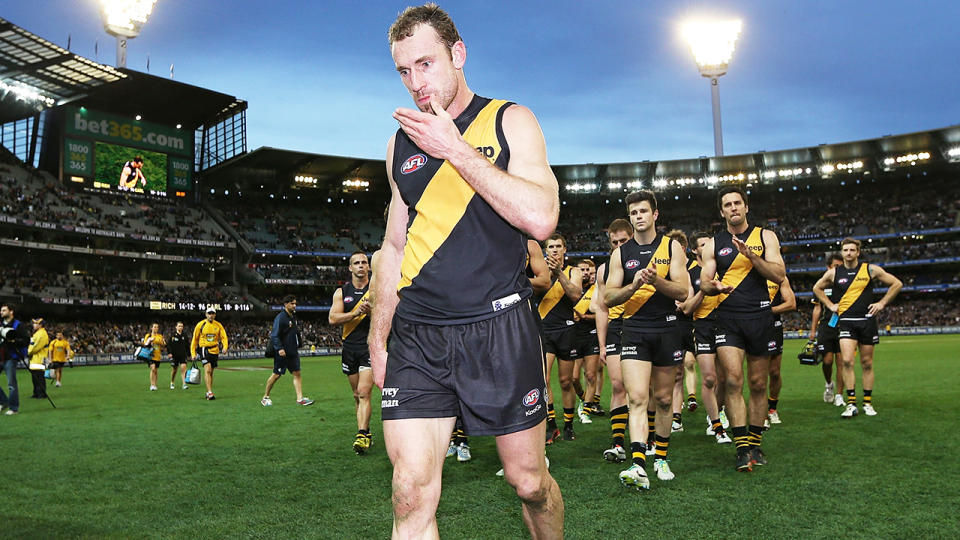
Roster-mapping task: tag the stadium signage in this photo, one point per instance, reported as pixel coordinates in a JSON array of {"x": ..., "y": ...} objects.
[
  {"x": 128, "y": 132},
  {"x": 284, "y": 281},
  {"x": 113, "y": 234}
]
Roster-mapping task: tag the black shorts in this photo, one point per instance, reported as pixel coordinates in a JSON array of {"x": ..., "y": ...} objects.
[
  {"x": 207, "y": 357},
  {"x": 753, "y": 333},
  {"x": 614, "y": 329},
  {"x": 662, "y": 348},
  {"x": 154, "y": 363},
  {"x": 704, "y": 335},
  {"x": 686, "y": 337},
  {"x": 561, "y": 343},
  {"x": 865, "y": 331},
  {"x": 778, "y": 336},
  {"x": 177, "y": 361},
  {"x": 490, "y": 373},
  {"x": 587, "y": 343},
  {"x": 828, "y": 340},
  {"x": 56, "y": 365},
  {"x": 290, "y": 362},
  {"x": 354, "y": 358}
]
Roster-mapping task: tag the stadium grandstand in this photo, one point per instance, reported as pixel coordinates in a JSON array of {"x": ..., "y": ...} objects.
[{"x": 212, "y": 223}]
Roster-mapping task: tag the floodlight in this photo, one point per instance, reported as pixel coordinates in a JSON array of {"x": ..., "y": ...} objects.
[
  {"x": 124, "y": 19},
  {"x": 712, "y": 44}
]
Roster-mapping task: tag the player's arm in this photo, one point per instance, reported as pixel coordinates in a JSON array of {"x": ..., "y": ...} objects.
[
  {"x": 385, "y": 298},
  {"x": 770, "y": 266},
  {"x": 819, "y": 289},
  {"x": 602, "y": 318},
  {"x": 540, "y": 282},
  {"x": 789, "y": 299},
  {"x": 123, "y": 175},
  {"x": 709, "y": 284},
  {"x": 223, "y": 339},
  {"x": 526, "y": 194},
  {"x": 678, "y": 286},
  {"x": 814, "y": 320},
  {"x": 196, "y": 339},
  {"x": 338, "y": 314},
  {"x": 70, "y": 352},
  {"x": 572, "y": 286},
  {"x": 616, "y": 292},
  {"x": 894, "y": 285}
]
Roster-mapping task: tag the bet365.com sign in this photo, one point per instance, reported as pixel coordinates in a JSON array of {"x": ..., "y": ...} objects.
[{"x": 107, "y": 127}]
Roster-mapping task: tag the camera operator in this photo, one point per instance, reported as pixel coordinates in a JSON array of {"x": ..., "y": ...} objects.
[{"x": 13, "y": 348}]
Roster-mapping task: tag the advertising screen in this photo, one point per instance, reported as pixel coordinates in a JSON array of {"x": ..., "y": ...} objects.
[{"x": 131, "y": 169}]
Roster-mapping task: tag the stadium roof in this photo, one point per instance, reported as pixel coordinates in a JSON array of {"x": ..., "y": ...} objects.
[{"x": 36, "y": 74}]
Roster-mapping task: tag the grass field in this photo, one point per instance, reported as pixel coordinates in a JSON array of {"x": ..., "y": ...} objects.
[{"x": 117, "y": 461}]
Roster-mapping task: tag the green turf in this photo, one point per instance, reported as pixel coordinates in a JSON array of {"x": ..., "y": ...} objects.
[{"x": 117, "y": 461}]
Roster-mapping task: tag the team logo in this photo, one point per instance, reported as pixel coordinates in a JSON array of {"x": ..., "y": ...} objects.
[
  {"x": 841, "y": 281},
  {"x": 772, "y": 345},
  {"x": 413, "y": 164},
  {"x": 725, "y": 251},
  {"x": 347, "y": 299},
  {"x": 678, "y": 354},
  {"x": 531, "y": 398},
  {"x": 631, "y": 264}
]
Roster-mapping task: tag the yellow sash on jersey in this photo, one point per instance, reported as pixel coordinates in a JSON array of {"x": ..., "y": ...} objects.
[
  {"x": 741, "y": 266},
  {"x": 553, "y": 296},
  {"x": 639, "y": 298},
  {"x": 708, "y": 304},
  {"x": 444, "y": 201},
  {"x": 860, "y": 282},
  {"x": 773, "y": 289},
  {"x": 351, "y": 325},
  {"x": 583, "y": 306}
]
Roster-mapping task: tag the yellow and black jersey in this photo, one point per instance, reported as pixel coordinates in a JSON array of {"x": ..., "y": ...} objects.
[
  {"x": 355, "y": 331},
  {"x": 614, "y": 312},
  {"x": 647, "y": 309},
  {"x": 709, "y": 303},
  {"x": 208, "y": 335},
  {"x": 158, "y": 344},
  {"x": 585, "y": 326},
  {"x": 462, "y": 262},
  {"x": 852, "y": 291},
  {"x": 555, "y": 307},
  {"x": 750, "y": 295},
  {"x": 773, "y": 289},
  {"x": 60, "y": 350}
]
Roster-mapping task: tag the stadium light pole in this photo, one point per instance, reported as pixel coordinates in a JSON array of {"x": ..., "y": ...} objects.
[
  {"x": 124, "y": 19},
  {"x": 712, "y": 44}
]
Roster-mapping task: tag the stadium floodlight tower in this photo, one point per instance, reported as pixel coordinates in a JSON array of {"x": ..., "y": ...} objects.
[
  {"x": 124, "y": 19},
  {"x": 712, "y": 44}
]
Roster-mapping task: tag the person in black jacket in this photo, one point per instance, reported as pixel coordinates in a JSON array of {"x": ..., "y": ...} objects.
[
  {"x": 178, "y": 349},
  {"x": 285, "y": 339},
  {"x": 13, "y": 348}
]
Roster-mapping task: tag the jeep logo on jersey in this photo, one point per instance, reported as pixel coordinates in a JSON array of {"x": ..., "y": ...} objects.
[
  {"x": 485, "y": 151},
  {"x": 413, "y": 164},
  {"x": 531, "y": 398},
  {"x": 725, "y": 251},
  {"x": 660, "y": 261},
  {"x": 631, "y": 264}
]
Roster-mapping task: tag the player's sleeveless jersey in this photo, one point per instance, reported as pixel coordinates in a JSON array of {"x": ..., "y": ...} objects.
[
  {"x": 750, "y": 296},
  {"x": 355, "y": 331},
  {"x": 709, "y": 303},
  {"x": 556, "y": 308},
  {"x": 773, "y": 289},
  {"x": 852, "y": 291},
  {"x": 132, "y": 175},
  {"x": 585, "y": 327},
  {"x": 647, "y": 309},
  {"x": 462, "y": 262},
  {"x": 616, "y": 311}
]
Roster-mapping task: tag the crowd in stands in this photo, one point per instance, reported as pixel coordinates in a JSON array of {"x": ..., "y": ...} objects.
[
  {"x": 906, "y": 310},
  {"x": 881, "y": 255},
  {"x": 320, "y": 274}
]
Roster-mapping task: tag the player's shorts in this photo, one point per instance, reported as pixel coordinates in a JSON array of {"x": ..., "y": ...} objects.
[
  {"x": 704, "y": 336},
  {"x": 290, "y": 362},
  {"x": 686, "y": 336},
  {"x": 354, "y": 358},
  {"x": 614, "y": 329},
  {"x": 207, "y": 357},
  {"x": 778, "y": 336},
  {"x": 828, "y": 340},
  {"x": 865, "y": 331},
  {"x": 586, "y": 342},
  {"x": 154, "y": 363},
  {"x": 489, "y": 372},
  {"x": 661, "y": 348},
  {"x": 177, "y": 361},
  {"x": 56, "y": 365},
  {"x": 753, "y": 334},
  {"x": 561, "y": 343}
]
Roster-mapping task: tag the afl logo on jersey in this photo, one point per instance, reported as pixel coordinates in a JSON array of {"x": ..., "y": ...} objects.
[
  {"x": 631, "y": 264},
  {"x": 347, "y": 299},
  {"x": 725, "y": 251},
  {"x": 531, "y": 398},
  {"x": 413, "y": 164},
  {"x": 841, "y": 281}
]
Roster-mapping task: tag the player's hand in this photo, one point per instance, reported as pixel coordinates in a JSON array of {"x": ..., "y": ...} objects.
[
  {"x": 875, "y": 308},
  {"x": 378, "y": 363},
  {"x": 555, "y": 264},
  {"x": 833, "y": 307},
  {"x": 741, "y": 247},
  {"x": 649, "y": 274},
  {"x": 724, "y": 289},
  {"x": 364, "y": 307},
  {"x": 435, "y": 134},
  {"x": 282, "y": 353},
  {"x": 603, "y": 355}
]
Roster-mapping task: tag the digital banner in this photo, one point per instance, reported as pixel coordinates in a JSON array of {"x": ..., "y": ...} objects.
[
  {"x": 78, "y": 157},
  {"x": 125, "y": 131}
]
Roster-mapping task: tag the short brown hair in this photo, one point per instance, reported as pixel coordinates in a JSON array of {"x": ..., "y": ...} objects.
[
  {"x": 849, "y": 240},
  {"x": 588, "y": 262},
  {"x": 620, "y": 225},
  {"x": 640, "y": 196},
  {"x": 429, "y": 14},
  {"x": 679, "y": 236},
  {"x": 725, "y": 190},
  {"x": 556, "y": 236}
]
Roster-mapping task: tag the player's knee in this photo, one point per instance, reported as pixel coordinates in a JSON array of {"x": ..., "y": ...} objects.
[
  {"x": 758, "y": 383},
  {"x": 532, "y": 488},
  {"x": 566, "y": 381},
  {"x": 412, "y": 493},
  {"x": 774, "y": 376},
  {"x": 664, "y": 402}
]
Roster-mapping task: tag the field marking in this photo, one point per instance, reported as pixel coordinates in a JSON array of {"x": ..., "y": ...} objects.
[{"x": 246, "y": 368}]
